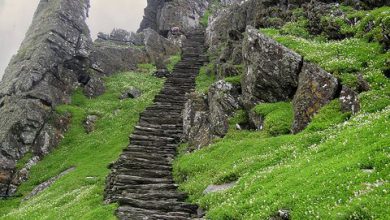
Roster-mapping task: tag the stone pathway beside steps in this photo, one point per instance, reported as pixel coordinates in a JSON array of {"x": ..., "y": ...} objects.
[{"x": 141, "y": 181}]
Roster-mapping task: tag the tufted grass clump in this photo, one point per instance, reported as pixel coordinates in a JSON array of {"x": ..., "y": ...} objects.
[
  {"x": 79, "y": 194},
  {"x": 205, "y": 78},
  {"x": 173, "y": 60},
  {"x": 204, "y": 21},
  {"x": 278, "y": 117},
  {"x": 329, "y": 116}
]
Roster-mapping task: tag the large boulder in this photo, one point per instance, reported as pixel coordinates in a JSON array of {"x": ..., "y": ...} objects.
[
  {"x": 271, "y": 69},
  {"x": 110, "y": 57},
  {"x": 316, "y": 89},
  {"x": 40, "y": 76},
  {"x": 158, "y": 47}
]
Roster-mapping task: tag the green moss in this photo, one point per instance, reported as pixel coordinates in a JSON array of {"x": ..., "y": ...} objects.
[
  {"x": 205, "y": 78},
  {"x": 146, "y": 68},
  {"x": 344, "y": 59},
  {"x": 204, "y": 21},
  {"x": 375, "y": 100},
  {"x": 328, "y": 116},
  {"x": 298, "y": 28},
  {"x": 278, "y": 117},
  {"x": 375, "y": 24},
  {"x": 22, "y": 162},
  {"x": 235, "y": 80},
  {"x": 79, "y": 194},
  {"x": 173, "y": 60},
  {"x": 239, "y": 117}
]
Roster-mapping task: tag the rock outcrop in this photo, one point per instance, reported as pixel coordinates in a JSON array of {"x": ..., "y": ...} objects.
[
  {"x": 48, "y": 66},
  {"x": 316, "y": 89},
  {"x": 206, "y": 119},
  {"x": 196, "y": 124},
  {"x": 123, "y": 51},
  {"x": 223, "y": 101},
  {"x": 163, "y": 15},
  {"x": 271, "y": 69},
  {"x": 349, "y": 100}
]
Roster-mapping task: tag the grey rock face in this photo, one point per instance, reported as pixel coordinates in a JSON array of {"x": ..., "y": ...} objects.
[
  {"x": 238, "y": 16},
  {"x": 40, "y": 76},
  {"x": 219, "y": 188},
  {"x": 131, "y": 93},
  {"x": 206, "y": 119},
  {"x": 271, "y": 69},
  {"x": 229, "y": 2},
  {"x": 94, "y": 87},
  {"x": 109, "y": 57},
  {"x": 89, "y": 123},
  {"x": 120, "y": 35},
  {"x": 349, "y": 100},
  {"x": 151, "y": 14},
  {"x": 281, "y": 215},
  {"x": 222, "y": 104},
  {"x": 196, "y": 125},
  {"x": 161, "y": 16},
  {"x": 125, "y": 50},
  {"x": 158, "y": 47},
  {"x": 316, "y": 89},
  {"x": 255, "y": 120}
]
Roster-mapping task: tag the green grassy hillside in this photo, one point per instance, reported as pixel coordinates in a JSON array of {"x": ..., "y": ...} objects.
[
  {"x": 337, "y": 168},
  {"x": 79, "y": 194}
]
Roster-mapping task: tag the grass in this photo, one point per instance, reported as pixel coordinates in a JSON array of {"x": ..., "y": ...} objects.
[
  {"x": 278, "y": 117},
  {"x": 205, "y": 78},
  {"x": 204, "y": 21},
  {"x": 343, "y": 58},
  {"x": 337, "y": 168},
  {"x": 315, "y": 175},
  {"x": 79, "y": 194},
  {"x": 173, "y": 60}
]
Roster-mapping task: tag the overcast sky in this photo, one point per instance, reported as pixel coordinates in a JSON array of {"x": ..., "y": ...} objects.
[{"x": 16, "y": 16}]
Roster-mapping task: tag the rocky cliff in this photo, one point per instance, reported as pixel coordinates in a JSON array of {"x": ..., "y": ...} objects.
[
  {"x": 161, "y": 16},
  {"x": 51, "y": 61}
]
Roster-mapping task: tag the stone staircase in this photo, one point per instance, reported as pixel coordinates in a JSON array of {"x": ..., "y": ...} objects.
[{"x": 141, "y": 180}]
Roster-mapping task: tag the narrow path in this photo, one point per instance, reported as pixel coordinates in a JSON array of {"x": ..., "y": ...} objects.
[{"x": 141, "y": 180}]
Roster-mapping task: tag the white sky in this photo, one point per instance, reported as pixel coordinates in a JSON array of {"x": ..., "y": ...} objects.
[{"x": 16, "y": 16}]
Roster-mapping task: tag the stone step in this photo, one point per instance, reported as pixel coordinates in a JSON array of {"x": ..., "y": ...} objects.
[
  {"x": 141, "y": 179},
  {"x": 155, "y": 195},
  {"x": 145, "y": 149},
  {"x": 165, "y": 206},
  {"x": 146, "y": 172},
  {"x": 138, "y": 213}
]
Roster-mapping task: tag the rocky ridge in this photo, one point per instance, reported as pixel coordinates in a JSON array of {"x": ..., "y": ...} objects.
[{"x": 50, "y": 63}]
